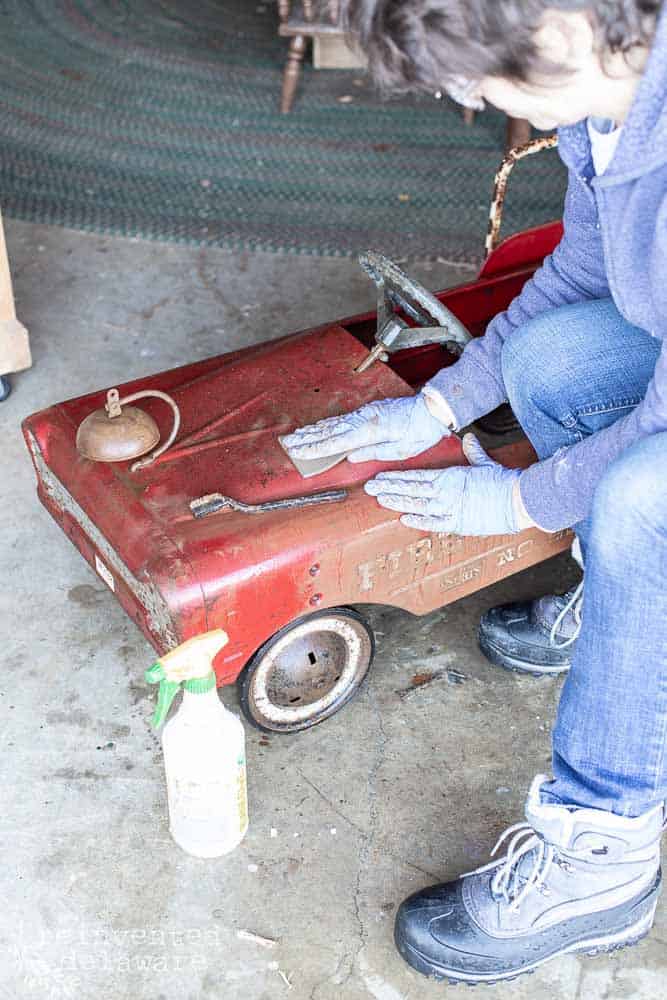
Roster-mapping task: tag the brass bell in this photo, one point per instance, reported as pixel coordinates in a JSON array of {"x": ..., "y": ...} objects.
[{"x": 119, "y": 432}]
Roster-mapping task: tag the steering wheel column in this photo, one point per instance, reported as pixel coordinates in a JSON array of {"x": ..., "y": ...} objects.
[{"x": 398, "y": 293}]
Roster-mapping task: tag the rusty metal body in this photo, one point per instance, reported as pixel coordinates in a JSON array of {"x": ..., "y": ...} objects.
[
  {"x": 177, "y": 576},
  {"x": 119, "y": 433}
]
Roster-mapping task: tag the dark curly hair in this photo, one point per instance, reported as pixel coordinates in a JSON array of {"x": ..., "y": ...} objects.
[{"x": 418, "y": 44}]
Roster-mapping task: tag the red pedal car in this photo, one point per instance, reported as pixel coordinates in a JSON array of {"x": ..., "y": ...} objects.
[{"x": 287, "y": 585}]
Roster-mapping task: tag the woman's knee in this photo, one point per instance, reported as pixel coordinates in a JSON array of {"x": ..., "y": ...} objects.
[
  {"x": 533, "y": 366},
  {"x": 544, "y": 357},
  {"x": 630, "y": 502}
]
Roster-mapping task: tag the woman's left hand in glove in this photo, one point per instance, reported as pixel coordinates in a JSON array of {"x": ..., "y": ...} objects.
[{"x": 481, "y": 499}]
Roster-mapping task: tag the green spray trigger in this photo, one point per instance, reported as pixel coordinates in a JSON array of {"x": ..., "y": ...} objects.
[
  {"x": 166, "y": 693},
  {"x": 189, "y": 665}
]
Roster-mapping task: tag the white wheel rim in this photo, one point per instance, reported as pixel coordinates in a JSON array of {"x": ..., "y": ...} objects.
[{"x": 357, "y": 646}]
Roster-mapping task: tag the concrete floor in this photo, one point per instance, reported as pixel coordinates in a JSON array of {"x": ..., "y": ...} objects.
[{"x": 388, "y": 796}]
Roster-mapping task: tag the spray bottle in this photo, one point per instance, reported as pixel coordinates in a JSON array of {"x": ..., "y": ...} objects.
[{"x": 204, "y": 751}]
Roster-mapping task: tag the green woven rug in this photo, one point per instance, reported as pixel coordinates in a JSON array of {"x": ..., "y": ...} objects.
[{"x": 158, "y": 118}]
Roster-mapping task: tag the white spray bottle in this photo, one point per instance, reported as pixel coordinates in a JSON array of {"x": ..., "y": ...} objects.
[{"x": 204, "y": 751}]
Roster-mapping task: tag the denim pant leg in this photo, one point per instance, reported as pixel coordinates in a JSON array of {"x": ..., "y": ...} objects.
[
  {"x": 573, "y": 371},
  {"x": 610, "y": 738},
  {"x": 568, "y": 374}
]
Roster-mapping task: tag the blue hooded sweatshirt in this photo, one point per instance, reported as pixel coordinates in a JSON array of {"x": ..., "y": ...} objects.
[{"x": 614, "y": 245}]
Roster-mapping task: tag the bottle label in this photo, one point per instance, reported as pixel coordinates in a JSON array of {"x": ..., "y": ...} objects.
[{"x": 208, "y": 811}]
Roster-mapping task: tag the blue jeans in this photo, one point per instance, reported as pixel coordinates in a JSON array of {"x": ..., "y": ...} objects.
[{"x": 570, "y": 373}]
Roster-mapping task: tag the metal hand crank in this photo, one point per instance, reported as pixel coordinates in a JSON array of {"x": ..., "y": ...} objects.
[{"x": 213, "y": 502}]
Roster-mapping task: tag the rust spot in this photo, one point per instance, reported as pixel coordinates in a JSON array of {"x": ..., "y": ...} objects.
[
  {"x": 428, "y": 677},
  {"x": 419, "y": 679}
]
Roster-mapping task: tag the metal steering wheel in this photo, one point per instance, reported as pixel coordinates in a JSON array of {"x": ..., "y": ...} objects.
[{"x": 398, "y": 292}]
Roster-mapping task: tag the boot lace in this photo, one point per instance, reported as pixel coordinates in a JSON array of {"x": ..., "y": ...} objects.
[
  {"x": 507, "y": 883},
  {"x": 574, "y": 604}
]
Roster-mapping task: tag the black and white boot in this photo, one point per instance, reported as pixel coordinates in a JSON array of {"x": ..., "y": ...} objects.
[
  {"x": 534, "y": 637},
  {"x": 572, "y": 880}
]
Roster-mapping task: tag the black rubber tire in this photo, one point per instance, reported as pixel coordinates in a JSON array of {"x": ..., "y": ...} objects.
[
  {"x": 5, "y": 388},
  {"x": 248, "y": 676},
  {"x": 501, "y": 422}
]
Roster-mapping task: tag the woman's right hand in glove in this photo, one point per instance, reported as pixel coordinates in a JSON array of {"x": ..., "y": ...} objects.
[{"x": 386, "y": 431}]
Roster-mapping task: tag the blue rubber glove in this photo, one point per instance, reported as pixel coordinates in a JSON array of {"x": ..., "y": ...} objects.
[
  {"x": 463, "y": 501},
  {"x": 387, "y": 431}
]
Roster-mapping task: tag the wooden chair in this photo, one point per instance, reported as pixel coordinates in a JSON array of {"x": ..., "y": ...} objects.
[
  {"x": 518, "y": 132},
  {"x": 315, "y": 19},
  {"x": 14, "y": 344},
  {"x": 300, "y": 21}
]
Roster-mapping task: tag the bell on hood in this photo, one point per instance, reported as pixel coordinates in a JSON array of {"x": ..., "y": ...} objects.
[{"x": 120, "y": 433}]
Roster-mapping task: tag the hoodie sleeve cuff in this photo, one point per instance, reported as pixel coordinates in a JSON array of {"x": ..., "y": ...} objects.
[
  {"x": 439, "y": 408},
  {"x": 523, "y": 518},
  {"x": 546, "y": 511},
  {"x": 466, "y": 389}
]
